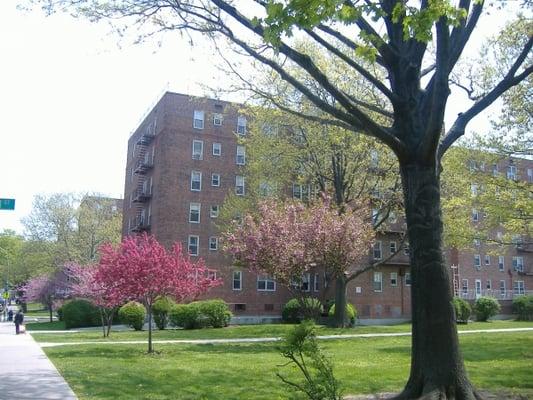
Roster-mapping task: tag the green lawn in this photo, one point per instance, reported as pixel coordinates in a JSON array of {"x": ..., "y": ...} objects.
[
  {"x": 500, "y": 362},
  {"x": 243, "y": 331}
]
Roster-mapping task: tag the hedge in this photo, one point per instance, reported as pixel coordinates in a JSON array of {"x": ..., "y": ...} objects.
[
  {"x": 486, "y": 307},
  {"x": 463, "y": 310},
  {"x": 80, "y": 313},
  {"x": 523, "y": 306},
  {"x": 351, "y": 312},
  {"x": 133, "y": 314},
  {"x": 160, "y": 310},
  {"x": 214, "y": 313},
  {"x": 295, "y": 310}
]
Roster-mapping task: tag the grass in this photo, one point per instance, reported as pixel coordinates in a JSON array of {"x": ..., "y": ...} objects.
[
  {"x": 496, "y": 362},
  {"x": 243, "y": 331},
  {"x": 45, "y": 326}
]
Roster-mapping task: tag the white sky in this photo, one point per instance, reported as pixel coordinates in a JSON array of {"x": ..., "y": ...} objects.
[{"x": 70, "y": 97}]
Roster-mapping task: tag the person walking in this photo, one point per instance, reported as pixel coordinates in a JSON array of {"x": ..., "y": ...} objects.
[
  {"x": 10, "y": 315},
  {"x": 19, "y": 319}
]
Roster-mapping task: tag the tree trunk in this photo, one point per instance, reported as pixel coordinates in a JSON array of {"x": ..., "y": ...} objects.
[
  {"x": 339, "y": 317},
  {"x": 103, "y": 320},
  {"x": 150, "y": 347},
  {"x": 110, "y": 320},
  {"x": 50, "y": 311},
  {"x": 437, "y": 368}
]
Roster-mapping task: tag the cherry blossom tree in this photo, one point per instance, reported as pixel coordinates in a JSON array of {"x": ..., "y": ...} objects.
[
  {"x": 286, "y": 240},
  {"x": 141, "y": 269}
]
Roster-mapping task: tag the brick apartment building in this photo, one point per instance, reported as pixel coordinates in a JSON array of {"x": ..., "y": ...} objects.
[{"x": 182, "y": 161}]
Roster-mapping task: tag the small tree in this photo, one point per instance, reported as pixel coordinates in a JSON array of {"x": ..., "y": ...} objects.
[{"x": 141, "y": 269}]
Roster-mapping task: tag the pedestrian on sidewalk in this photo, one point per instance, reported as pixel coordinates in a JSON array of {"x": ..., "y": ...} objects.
[
  {"x": 10, "y": 315},
  {"x": 19, "y": 319}
]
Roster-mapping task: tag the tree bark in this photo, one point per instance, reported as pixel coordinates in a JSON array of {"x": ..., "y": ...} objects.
[
  {"x": 150, "y": 347},
  {"x": 339, "y": 317},
  {"x": 50, "y": 311},
  {"x": 437, "y": 367}
]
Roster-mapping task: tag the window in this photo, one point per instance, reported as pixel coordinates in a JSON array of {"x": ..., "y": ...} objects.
[
  {"x": 477, "y": 260},
  {"x": 378, "y": 282},
  {"x": 473, "y": 189},
  {"x": 265, "y": 283},
  {"x": 518, "y": 264},
  {"x": 212, "y": 275},
  {"x": 217, "y": 119},
  {"x": 464, "y": 287},
  {"x": 511, "y": 172},
  {"x": 478, "y": 287},
  {"x": 495, "y": 170},
  {"x": 296, "y": 191},
  {"x": 375, "y": 216},
  {"x": 316, "y": 283},
  {"x": 530, "y": 175},
  {"x": 194, "y": 213},
  {"x": 306, "y": 282},
  {"x": 240, "y": 307},
  {"x": 374, "y": 159},
  {"x": 475, "y": 215},
  {"x": 194, "y": 244},
  {"x": 239, "y": 185},
  {"x": 472, "y": 165},
  {"x": 377, "y": 250},
  {"x": 518, "y": 287},
  {"x": 217, "y": 149},
  {"x": 198, "y": 122},
  {"x": 489, "y": 284},
  {"x": 196, "y": 181},
  {"x": 406, "y": 249},
  {"x": 394, "y": 279},
  {"x": 241, "y": 125},
  {"x": 213, "y": 213},
  {"x": 477, "y": 242},
  {"x": 487, "y": 259},
  {"x": 501, "y": 263},
  {"x": 215, "y": 179},
  {"x": 241, "y": 155},
  {"x": 393, "y": 247},
  {"x": 197, "y": 150},
  {"x": 237, "y": 280},
  {"x": 213, "y": 243},
  {"x": 407, "y": 279},
  {"x": 502, "y": 288}
]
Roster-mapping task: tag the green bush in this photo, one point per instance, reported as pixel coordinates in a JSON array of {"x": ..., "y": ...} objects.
[
  {"x": 133, "y": 315},
  {"x": 160, "y": 310},
  {"x": 216, "y": 312},
  {"x": 462, "y": 310},
  {"x": 297, "y": 310},
  {"x": 486, "y": 307},
  {"x": 523, "y": 306},
  {"x": 80, "y": 313},
  {"x": 59, "y": 313},
  {"x": 186, "y": 316},
  {"x": 351, "y": 312}
]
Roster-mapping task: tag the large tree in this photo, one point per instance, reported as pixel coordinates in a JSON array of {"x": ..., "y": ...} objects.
[{"x": 416, "y": 88}]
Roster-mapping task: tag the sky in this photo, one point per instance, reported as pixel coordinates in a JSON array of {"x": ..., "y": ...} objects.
[{"x": 70, "y": 97}]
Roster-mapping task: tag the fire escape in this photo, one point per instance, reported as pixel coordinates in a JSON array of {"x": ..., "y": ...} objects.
[{"x": 144, "y": 162}]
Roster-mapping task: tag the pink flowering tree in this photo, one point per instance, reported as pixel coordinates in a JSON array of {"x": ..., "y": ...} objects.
[
  {"x": 141, "y": 269},
  {"x": 286, "y": 240}
]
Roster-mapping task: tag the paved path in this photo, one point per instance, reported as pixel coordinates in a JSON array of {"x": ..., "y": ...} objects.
[
  {"x": 265, "y": 340},
  {"x": 26, "y": 372}
]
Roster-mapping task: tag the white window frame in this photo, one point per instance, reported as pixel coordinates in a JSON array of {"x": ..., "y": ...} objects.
[
  {"x": 213, "y": 240},
  {"x": 217, "y": 146},
  {"x": 193, "y": 175},
  {"x": 189, "y": 244},
  {"x": 501, "y": 263},
  {"x": 518, "y": 263},
  {"x": 198, "y": 119},
  {"x": 195, "y": 207},
  {"x": 376, "y": 247},
  {"x": 214, "y": 213},
  {"x": 478, "y": 288},
  {"x": 519, "y": 287},
  {"x": 488, "y": 284},
  {"x": 239, "y": 273},
  {"x": 240, "y": 155},
  {"x": 530, "y": 175},
  {"x": 474, "y": 189},
  {"x": 237, "y": 185},
  {"x": 297, "y": 191},
  {"x": 268, "y": 281},
  {"x": 503, "y": 288},
  {"x": 487, "y": 259},
  {"x": 407, "y": 279},
  {"x": 393, "y": 248},
  {"x": 406, "y": 250},
  {"x": 512, "y": 172},
  {"x": 477, "y": 261},
  {"x": 306, "y": 279},
  {"x": 218, "y": 119},
  {"x": 241, "y": 125},
  {"x": 377, "y": 281},
  {"x": 464, "y": 287},
  {"x": 213, "y": 180},
  {"x": 195, "y": 154},
  {"x": 394, "y": 279}
]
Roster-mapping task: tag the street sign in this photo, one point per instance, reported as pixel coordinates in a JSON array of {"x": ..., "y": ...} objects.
[{"x": 7, "y": 204}]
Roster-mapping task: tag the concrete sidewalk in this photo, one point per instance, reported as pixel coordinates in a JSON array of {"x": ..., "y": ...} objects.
[{"x": 26, "y": 372}]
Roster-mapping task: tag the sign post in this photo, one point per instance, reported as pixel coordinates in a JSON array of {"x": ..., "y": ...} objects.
[{"x": 7, "y": 204}]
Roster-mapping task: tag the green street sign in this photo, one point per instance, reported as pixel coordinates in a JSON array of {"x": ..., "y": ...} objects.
[
  {"x": 5, "y": 295},
  {"x": 7, "y": 204}
]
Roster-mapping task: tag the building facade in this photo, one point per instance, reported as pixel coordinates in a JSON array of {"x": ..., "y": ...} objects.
[{"x": 184, "y": 158}]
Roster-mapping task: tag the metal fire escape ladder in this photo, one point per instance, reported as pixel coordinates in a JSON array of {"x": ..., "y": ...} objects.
[{"x": 455, "y": 280}]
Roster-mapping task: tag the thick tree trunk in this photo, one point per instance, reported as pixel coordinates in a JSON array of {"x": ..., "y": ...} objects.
[
  {"x": 437, "y": 368},
  {"x": 339, "y": 317}
]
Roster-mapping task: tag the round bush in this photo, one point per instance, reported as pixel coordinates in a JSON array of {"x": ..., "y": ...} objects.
[
  {"x": 59, "y": 313},
  {"x": 132, "y": 314},
  {"x": 351, "y": 312},
  {"x": 160, "y": 310},
  {"x": 462, "y": 310},
  {"x": 295, "y": 310},
  {"x": 486, "y": 307},
  {"x": 523, "y": 306},
  {"x": 80, "y": 313},
  {"x": 186, "y": 316},
  {"x": 215, "y": 312}
]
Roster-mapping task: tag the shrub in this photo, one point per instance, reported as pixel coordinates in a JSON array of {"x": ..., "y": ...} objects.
[
  {"x": 185, "y": 315},
  {"x": 160, "y": 310},
  {"x": 523, "y": 306},
  {"x": 59, "y": 313},
  {"x": 486, "y": 307},
  {"x": 462, "y": 310},
  {"x": 80, "y": 313},
  {"x": 351, "y": 312},
  {"x": 133, "y": 315},
  {"x": 298, "y": 309},
  {"x": 215, "y": 312}
]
